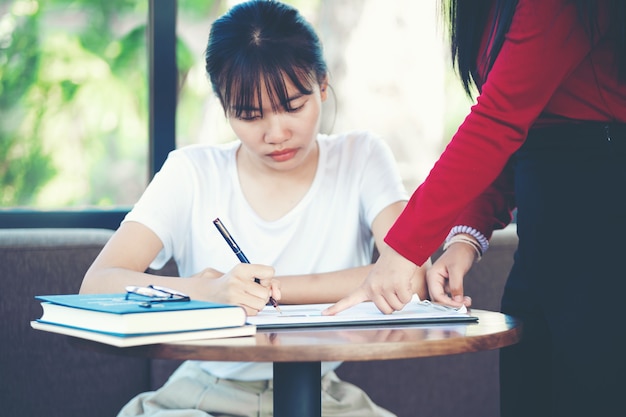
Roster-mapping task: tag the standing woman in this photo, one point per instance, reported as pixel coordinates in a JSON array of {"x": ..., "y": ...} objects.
[{"x": 548, "y": 135}]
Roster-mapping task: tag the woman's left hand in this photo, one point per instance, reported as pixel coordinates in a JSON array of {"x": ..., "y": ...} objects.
[{"x": 445, "y": 277}]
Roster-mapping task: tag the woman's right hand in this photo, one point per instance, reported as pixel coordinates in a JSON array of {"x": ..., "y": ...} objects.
[
  {"x": 238, "y": 286},
  {"x": 390, "y": 284}
]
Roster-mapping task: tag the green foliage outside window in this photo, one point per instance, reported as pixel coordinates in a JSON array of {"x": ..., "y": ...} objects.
[{"x": 74, "y": 101}]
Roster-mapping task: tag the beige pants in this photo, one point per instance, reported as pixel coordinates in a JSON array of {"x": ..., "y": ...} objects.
[{"x": 192, "y": 392}]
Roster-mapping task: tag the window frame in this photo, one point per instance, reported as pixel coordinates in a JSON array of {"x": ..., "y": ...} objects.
[{"x": 163, "y": 85}]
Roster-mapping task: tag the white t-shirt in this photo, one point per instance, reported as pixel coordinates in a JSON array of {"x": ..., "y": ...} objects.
[{"x": 328, "y": 230}]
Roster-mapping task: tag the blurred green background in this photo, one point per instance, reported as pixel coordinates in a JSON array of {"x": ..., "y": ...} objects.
[{"x": 74, "y": 91}]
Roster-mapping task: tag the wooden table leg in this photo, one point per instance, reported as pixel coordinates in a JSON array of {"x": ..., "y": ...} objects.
[{"x": 297, "y": 389}]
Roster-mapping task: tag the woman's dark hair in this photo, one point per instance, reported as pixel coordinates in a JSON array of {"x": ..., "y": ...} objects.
[
  {"x": 467, "y": 21},
  {"x": 262, "y": 43}
]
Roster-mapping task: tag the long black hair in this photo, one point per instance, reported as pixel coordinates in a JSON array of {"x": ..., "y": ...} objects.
[
  {"x": 467, "y": 21},
  {"x": 262, "y": 43}
]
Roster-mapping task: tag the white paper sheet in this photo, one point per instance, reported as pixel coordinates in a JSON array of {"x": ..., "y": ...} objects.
[{"x": 366, "y": 313}]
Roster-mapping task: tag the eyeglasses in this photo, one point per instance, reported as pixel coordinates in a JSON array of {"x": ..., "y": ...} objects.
[{"x": 155, "y": 294}]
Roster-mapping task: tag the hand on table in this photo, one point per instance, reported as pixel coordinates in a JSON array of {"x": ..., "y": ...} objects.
[
  {"x": 445, "y": 277},
  {"x": 238, "y": 286},
  {"x": 390, "y": 284}
]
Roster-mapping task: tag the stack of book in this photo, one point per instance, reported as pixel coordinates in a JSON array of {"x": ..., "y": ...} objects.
[{"x": 115, "y": 320}]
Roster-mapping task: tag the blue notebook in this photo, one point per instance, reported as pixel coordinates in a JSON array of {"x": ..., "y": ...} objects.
[
  {"x": 117, "y": 304},
  {"x": 112, "y": 313}
]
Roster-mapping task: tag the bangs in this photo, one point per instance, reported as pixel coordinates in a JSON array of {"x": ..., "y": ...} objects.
[
  {"x": 259, "y": 49},
  {"x": 245, "y": 80}
]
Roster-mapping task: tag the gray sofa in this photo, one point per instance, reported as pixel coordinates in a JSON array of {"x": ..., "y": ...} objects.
[{"x": 42, "y": 374}]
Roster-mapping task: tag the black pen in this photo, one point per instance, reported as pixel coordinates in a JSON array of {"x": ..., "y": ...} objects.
[{"x": 233, "y": 245}]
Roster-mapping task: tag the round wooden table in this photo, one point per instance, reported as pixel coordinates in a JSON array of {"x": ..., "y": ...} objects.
[{"x": 297, "y": 353}]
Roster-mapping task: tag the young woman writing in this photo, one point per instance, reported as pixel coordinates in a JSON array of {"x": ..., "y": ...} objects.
[{"x": 305, "y": 207}]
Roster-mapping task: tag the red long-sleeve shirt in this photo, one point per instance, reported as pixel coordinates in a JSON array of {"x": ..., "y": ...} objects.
[{"x": 547, "y": 70}]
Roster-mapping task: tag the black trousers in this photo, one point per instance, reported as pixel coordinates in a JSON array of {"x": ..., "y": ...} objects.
[{"x": 568, "y": 282}]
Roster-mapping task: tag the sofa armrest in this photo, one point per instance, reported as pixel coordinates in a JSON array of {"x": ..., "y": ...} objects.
[{"x": 42, "y": 373}]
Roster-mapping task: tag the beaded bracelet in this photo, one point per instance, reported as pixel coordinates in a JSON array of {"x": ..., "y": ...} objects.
[
  {"x": 468, "y": 241},
  {"x": 482, "y": 240}
]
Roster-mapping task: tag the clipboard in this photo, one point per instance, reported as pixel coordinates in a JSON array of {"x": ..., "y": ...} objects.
[{"x": 364, "y": 314}]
